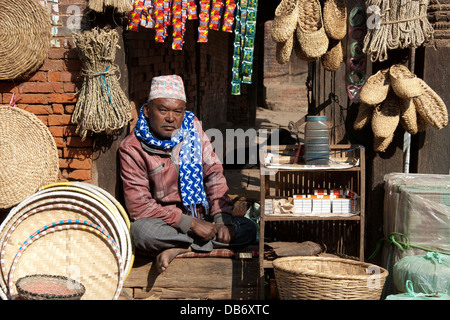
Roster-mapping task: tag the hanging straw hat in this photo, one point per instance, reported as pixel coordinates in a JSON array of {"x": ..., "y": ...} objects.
[
  {"x": 333, "y": 58},
  {"x": 285, "y": 20},
  {"x": 431, "y": 107},
  {"x": 365, "y": 112},
  {"x": 284, "y": 50},
  {"x": 386, "y": 117},
  {"x": 25, "y": 33},
  {"x": 310, "y": 31},
  {"x": 404, "y": 83},
  {"x": 28, "y": 155},
  {"x": 408, "y": 115},
  {"x": 335, "y": 18},
  {"x": 376, "y": 88},
  {"x": 121, "y": 6}
]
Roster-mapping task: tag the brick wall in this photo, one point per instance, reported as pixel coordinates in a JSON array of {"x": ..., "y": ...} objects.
[
  {"x": 203, "y": 67},
  {"x": 284, "y": 84},
  {"x": 51, "y": 94}
]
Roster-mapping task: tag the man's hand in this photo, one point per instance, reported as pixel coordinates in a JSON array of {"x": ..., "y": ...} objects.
[
  {"x": 205, "y": 230},
  {"x": 225, "y": 233}
]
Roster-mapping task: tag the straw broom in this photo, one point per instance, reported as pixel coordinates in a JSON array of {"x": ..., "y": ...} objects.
[
  {"x": 102, "y": 105},
  {"x": 122, "y": 6}
]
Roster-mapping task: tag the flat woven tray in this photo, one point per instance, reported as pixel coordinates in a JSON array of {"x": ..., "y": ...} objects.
[
  {"x": 29, "y": 157},
  {"x": 75, "y": 250},
  {"x": 25, "y": 30},
  {"x": 63, "y": 201}
]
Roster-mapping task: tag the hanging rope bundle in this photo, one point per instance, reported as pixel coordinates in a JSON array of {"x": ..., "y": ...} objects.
[
  {"x": 121, "y": 6},
  {"x": 396, "y": 24},
  {"x": 102, "y": 105}
]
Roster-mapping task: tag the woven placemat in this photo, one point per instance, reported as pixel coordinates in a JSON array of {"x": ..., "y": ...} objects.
[
  {"x": 28, "y": 155},
  {"x": 68, "y": 249},
  {"x": 25, "y": 30}
]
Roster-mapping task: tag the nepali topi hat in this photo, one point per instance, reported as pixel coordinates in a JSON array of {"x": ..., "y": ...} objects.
[{"x": 170, "y": 86}]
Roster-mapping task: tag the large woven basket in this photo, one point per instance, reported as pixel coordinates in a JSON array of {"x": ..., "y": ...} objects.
[
  {"x": 25, "y": 30},
  {"x": 328, "y": 278}
]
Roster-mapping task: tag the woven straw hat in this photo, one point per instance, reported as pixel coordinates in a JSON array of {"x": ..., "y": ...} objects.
[
  {"x": 285, "y": 20},
  {"x": 404, "y": 83},
  {"x": 365, "y": 112},
  {"x": 376, "y": 88},
  {"x": 333, "y": 58},
  {"x": 335, "y": 18},
  {"x": 284, "y": 50},
  {"x": 310, "y": 31},
  {"x": 386, "y": 117},
  {"x": 408, "y": 115},
  {"x": 25, "y": 37},
  {"x": 28, "y": 155}
]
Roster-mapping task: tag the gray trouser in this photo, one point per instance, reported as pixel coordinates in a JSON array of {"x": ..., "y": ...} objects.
[{"x": 155, "y": 235}]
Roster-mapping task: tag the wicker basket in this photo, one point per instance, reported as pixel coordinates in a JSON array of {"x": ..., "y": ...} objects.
[
  {"x": 327, "y": 278},
  {"x": 49, "y": 287}
]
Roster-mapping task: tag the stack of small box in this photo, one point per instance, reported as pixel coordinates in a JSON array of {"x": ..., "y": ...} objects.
[
  {"x": 268, "y": 206},
  {"x": 338, "y": 201}
]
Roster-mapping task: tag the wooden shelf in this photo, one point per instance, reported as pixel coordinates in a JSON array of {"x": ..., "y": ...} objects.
[
  {"x": 345, "y": 235},
  {"x": 268, "y": 217}
]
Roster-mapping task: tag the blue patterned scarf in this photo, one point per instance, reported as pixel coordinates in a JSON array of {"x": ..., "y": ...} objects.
[{"x": 191, "y": 169}]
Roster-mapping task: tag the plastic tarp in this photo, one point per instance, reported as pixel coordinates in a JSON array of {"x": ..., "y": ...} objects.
[{"x": 418, "y": 206}]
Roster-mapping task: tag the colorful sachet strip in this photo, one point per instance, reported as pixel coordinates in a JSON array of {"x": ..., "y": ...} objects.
[
  {"x": 212, "y": 15},
  {"x": 160, "y": 14},
  {"x": 244, "y": 44}
]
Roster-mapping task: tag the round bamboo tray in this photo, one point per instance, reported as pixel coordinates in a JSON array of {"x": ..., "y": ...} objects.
[
  {"x": 328, "y": 278},
  {"x": 25, "y": 33},
  {"x": 66, "y": 247},
  {"x": 28, "y": 155},
  {"x": 115, "y": 208},
  {"x": 100, "y": 208}
]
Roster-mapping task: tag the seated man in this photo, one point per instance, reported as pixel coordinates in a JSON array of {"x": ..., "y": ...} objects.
[{"x": 174, "y": 187}]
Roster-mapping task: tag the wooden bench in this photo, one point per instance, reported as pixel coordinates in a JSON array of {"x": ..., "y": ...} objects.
[{"x": 211, "y": 277}]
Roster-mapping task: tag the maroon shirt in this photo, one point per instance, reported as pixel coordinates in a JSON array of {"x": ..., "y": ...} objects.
[{"x": 151, "y": 186}]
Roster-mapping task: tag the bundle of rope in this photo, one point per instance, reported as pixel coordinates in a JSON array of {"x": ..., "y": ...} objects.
[
  {"x": 102, "y": 105},
  {"x": 121, "y": 6},
  {"x": 396, "y": 24}
]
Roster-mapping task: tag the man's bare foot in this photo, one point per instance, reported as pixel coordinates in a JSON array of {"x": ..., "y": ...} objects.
[{"x": 165, "y": 258}]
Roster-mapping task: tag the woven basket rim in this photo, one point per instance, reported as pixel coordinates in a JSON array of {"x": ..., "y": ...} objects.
[
  {"x": 278, "y": 264},
  {"x": 79, "y": 291}
]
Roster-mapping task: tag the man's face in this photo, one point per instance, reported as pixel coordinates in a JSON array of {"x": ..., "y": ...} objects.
[{"x": 165, "y": 116}]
